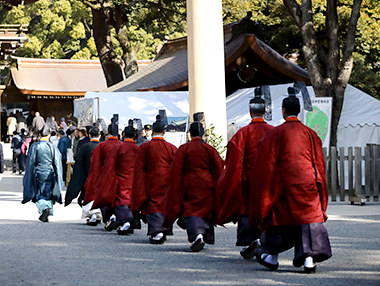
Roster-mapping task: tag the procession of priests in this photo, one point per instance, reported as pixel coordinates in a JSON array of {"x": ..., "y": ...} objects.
[{"x": 272, "y": 184}]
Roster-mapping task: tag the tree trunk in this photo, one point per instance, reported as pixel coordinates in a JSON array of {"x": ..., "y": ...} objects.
[
  {"x": 129, "y": 52},
  {"x": 102, "y": 35}
]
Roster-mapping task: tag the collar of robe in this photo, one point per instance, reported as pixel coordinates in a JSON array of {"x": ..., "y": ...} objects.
[
  {"x": 44, "y": 139},
  {"x": 257, "y": 119},
  {"x": 196, "y": 138},
  {"x": 158, "y": 138},
  {"x": 129, "y": 140},
  {"x": 292, "y": 118},
  {"x": 113, "y": 138},
  {"x": 94, "y": 140}
]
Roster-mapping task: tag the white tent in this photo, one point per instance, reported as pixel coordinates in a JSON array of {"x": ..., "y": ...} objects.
[
  {"x": 359, "y": 123},
  {"x": 143, "y": 105}
]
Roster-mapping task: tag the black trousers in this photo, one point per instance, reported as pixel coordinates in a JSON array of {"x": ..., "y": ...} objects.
[{"x": 19, "y": 158}]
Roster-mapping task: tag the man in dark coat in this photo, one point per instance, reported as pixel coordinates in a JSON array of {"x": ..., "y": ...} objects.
[
  {"x": 17, "y": 155},
  {"x": 1, "y": 162},
  {"x": 81, "y": 169},
  {"x": 64, "y": 143}
]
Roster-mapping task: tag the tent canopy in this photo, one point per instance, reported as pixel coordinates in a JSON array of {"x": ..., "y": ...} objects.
[{"x": 359, "y": 122}]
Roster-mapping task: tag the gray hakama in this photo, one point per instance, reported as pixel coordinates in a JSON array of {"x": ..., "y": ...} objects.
[
  {"x": 309, "y": 240},
  {"x": 155, "y": 221},
  {"x": 246, "y": 234},
  {"x": 196, "y": 225}
]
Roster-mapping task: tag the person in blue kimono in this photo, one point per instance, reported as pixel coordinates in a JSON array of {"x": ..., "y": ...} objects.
[{"x": 43, "y": 177}]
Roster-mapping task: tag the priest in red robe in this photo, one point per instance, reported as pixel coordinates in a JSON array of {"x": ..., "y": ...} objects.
[
  {"x": 150, "y": 182},
  {"x": 101, "y": 183},
  {"x": 124, "y": 169},
  {"x": 195, "y": 170},
  {"x": 290, "y": 196},
  {"x": 235, "y": 183}
]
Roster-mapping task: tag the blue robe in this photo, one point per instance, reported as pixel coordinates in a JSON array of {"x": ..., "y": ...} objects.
[{"x": 43, "y": 176}]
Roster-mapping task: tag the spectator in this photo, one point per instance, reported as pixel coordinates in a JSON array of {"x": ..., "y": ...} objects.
[
  {"x": 29, "y": 120},
  {"x": 64, "y": 143},
  {"x": 17, "y": 155},
  {"x": 21, "y": 121},
  {"x": 1, "y": 161},
  {"x": 54, "y": 138},
  {"x": 63, "y": 125},
  {"x": 38, "y": 123},
  {"x": 11, "y": 125}
]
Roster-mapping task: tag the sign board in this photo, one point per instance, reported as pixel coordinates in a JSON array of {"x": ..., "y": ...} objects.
[
  {"x": 84, "y": 111},
  {"x": 319, "y": 118},
  {"x": 176, "y": 130}
]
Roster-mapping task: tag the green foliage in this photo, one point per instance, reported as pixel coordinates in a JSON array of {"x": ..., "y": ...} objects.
[
  {"x": 215, "y": 141},
  {"x": 53, "y": 51},
  {"x": 62, "y": 29},
  {"x": 57, "y": 29}
]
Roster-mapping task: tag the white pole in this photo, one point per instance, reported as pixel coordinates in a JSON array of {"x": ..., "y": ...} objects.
[{"x": 205, "y": 46}]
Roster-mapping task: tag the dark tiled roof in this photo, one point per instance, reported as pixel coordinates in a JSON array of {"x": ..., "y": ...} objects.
[{"x": 169, "y": 71}]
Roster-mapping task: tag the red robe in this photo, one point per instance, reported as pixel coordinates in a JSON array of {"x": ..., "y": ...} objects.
[
  {"x": 101, "y": 183},
  {"x": 234, "y": 186},
  {"x": 124, "y": 170},
  {"x": 195, "y": 170},
  {"x": 290, "y": 178},
  {"x": 151, "y": 176}
]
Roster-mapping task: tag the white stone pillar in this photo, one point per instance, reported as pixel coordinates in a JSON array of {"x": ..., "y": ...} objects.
[{"x": 205, "y": 49}]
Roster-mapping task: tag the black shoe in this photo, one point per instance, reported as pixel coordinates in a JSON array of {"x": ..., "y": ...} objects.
[
  {"x": 91, "y": 223},
  {"x": 197, "y": 245},
  {"x": 310, "y": 270},
  {"x": 110, "y": 225},
  {"x": 251, "y": 250},
  {"x": 20, "y": 172},
  {"x": 44, "y": 216},
  {"x": 266, "y": 264},
  {"x": 157, "y": 241},
  {"x": 125, "y": 232}
]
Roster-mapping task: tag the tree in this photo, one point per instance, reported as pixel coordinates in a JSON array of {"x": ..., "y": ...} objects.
[
  {"x": 121, "y": 15},
  {"x": 57, "y": 29},
  {"x": 118, "y": 32},
  {"x": 329, "y": 62}
]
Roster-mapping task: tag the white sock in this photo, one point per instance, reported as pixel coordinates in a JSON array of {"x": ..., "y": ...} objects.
[
  {"x": 199, "y": 236},
  {"x": 309, "y": 263},
  {"x": 93, "y": 218},
  {"x": 113, "y": 217},
  {"x": 158, "y": 236},
  {"x": 272, "y": 259},
  {"x": 125, "y": 226}
]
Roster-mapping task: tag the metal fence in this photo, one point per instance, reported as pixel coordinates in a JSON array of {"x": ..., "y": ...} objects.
[{"x": 354, "y": 176}]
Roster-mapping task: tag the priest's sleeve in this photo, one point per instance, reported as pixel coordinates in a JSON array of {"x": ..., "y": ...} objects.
[
  {"x": 175, "y": 194},
  {"x": 94, "y": 176},
  {"x": 139, "y": 193},
  {"x": 229, "y": 195}
]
